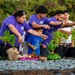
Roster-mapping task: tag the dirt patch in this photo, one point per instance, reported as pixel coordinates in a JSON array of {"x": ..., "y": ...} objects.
[{"x": 38, "y": 72}]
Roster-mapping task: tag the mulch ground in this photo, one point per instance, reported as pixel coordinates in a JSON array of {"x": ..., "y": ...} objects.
[{"x": 38, "y": 72}]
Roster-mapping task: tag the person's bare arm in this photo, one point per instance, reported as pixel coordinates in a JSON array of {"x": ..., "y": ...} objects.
[
  {"x": 14, "y": 30},
  {"x": 68, "y": 24},
  {"x": 33, "y": 47},
  {"x": 39, "y": 26},
  {"x": 55, "y": 23},
  {"x": 66, "y": 32},
  {"x": 64, "y": 24},
  {"x": 31, "y": 31}
]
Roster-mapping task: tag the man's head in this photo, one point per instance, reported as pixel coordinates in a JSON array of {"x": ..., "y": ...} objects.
[
  {"x": 59, "y": 15},
  {"x": 66, "y": 15},
  {"x": 20, "y": 16},
  {"x": 41, "y": 10}
]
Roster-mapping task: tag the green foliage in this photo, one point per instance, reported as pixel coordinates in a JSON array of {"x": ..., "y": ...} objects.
[
  {"x": 73, "y": 34},
  {"x": 57, "y": 38},
  {"x": 52, "y": 45},
  {"x": 3, "y": 58},
  {"x": 54, "y": 56},
  {"x": 7, "y": 7},
  {"x": 8, "y": 38}
]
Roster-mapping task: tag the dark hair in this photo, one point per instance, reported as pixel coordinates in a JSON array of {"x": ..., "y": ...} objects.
[
  {"x": 41, "y": 9},
  {"x": 66, "y": 11},
  {"x": 59, "y": 12},
  {"x": 19, "y": 13},
  {"x": 38, "y": 28}
]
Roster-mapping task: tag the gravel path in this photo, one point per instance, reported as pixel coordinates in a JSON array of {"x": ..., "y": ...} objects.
[{"x": 32, "y": 65}]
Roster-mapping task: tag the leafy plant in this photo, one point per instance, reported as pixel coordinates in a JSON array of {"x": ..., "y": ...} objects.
[
  {"x": 54, "y": 56},
  {"x": 73, "y": 35},
  {"x": 8, "y": 38},
  {"x": 52, "y": 45},
  {"x": 57, "y": 38}
]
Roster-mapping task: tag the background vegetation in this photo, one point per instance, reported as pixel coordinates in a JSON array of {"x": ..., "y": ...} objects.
[{"x": 7, "y": 7}]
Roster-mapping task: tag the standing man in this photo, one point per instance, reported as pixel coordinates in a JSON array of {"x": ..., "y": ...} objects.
[{"x": 67, "y": 30}]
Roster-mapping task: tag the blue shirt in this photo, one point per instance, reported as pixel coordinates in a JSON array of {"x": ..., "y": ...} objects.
[
  {"x": 35, "y": 41},
  {"x": 20, "y": 27},
  {"x": 49, "y": 32}
]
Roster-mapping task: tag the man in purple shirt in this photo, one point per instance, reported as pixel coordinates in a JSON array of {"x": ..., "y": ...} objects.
[
  {"x": 53, "y": 28},
  {"x": 58, "y": 16}
]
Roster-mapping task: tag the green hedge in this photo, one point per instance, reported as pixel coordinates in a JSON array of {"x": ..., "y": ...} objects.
[{"x": 7, "y": 7}]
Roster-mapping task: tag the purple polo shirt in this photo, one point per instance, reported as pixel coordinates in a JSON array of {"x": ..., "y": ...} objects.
[
  {"x": 37, "y": 20},
  {"x": 20, "y": 27},
  {"x": 49, "y": 32}
]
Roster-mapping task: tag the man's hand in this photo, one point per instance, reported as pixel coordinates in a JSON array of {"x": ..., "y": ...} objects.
[
  {"x": 46, "y": 26},
  {"x": 67, "y": 24},
  {"x": 44, "y": 36},
  {"x": 34, "y": 48},
  {"x": 72, "y": 44},
  {"x": 20, "y": 39},
  {"x": 44, "y": 46}
]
